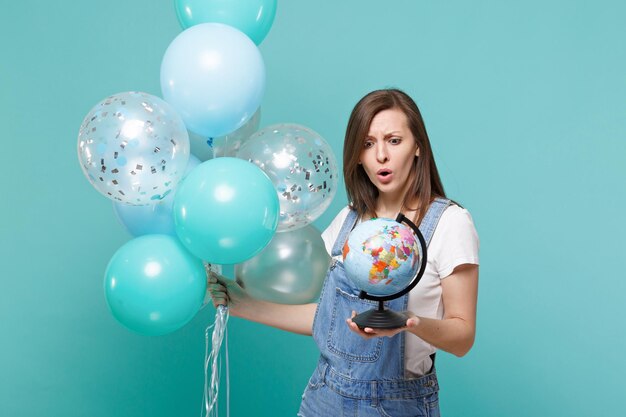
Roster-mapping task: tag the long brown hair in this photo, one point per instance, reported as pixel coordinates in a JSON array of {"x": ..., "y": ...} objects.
[{"x": 425, "y": 183}]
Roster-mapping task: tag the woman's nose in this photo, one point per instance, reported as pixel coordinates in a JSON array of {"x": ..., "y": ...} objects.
[{"x": 381, "y": 153}]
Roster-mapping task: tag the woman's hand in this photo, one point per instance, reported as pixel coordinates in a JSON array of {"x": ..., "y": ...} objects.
[
  {"x": 368, "y": 332},
  {"x": 455, "y": 332},
  {"x": 224, "y": 291},
  {"x": 293, "y": 318}
]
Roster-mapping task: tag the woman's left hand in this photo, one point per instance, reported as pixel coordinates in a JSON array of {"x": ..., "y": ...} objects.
[{"x": 368, "y": 332}]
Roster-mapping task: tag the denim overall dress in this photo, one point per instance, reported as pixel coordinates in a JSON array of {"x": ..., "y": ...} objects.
[{"x": 357, "y": 377}]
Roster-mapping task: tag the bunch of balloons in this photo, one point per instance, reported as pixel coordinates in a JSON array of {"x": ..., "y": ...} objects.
[{"x": 221, "y": 207}]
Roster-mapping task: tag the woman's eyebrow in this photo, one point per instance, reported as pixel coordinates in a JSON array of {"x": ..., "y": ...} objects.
[{"x": 392, "y": 133}]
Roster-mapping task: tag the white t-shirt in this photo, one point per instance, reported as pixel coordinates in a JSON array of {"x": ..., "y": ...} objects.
[{"x": 455, "y": 242}]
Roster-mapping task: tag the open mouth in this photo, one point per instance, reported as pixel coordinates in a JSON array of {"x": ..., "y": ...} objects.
[{"x": 384, "y": 175}]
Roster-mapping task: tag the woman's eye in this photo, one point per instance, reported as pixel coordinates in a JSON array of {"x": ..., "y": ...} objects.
[
  {"x": 368, "y": 144},
  {"x": 394, "y": 141}
]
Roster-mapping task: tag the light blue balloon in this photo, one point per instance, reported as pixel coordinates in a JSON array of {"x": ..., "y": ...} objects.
[
  {"x": 144, "y": 220},
  {"x": 153, "y": 285},
  {"x": 154, "y": 218},
  {"x": 226, "y": 211},
  {"x": 214, "y": 76},
  {"x": 252, "y": 17}
]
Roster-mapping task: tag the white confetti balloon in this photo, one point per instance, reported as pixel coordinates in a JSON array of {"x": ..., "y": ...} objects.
[
  {"x": 133, "y": 148},
  {"x": 302, "y": 168}
]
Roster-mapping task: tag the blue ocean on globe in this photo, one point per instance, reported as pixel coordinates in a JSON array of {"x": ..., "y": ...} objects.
[{"x": 381, "y": 256}]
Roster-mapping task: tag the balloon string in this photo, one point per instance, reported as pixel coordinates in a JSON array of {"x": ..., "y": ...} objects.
[
  {"x": 213, "y": 361},
  {"x": 227, "y": 377}
]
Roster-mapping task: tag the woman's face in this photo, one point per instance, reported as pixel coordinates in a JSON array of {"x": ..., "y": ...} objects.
[{"x": 388, "y": 152}]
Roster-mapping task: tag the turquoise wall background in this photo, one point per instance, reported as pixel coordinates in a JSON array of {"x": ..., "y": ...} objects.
[{"x": 525, "y": 103}]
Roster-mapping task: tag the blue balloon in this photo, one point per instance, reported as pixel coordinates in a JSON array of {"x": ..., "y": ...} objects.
[
  {"x": 253, "y": 17},
  {"x": 214, "y": 76},
  {"x": 154, "y": 218},
  {"x": 144, "y": 220},
  {"x": 226, "y": 210},
  {"x": 153, "y": 285}
]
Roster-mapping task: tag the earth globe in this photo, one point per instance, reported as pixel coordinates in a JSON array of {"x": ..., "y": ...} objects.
[{"x": 385, "y": 259}]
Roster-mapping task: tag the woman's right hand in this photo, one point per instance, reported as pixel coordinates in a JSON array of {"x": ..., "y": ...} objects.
[
  {"x": 224, "y": 291},
  {"x": 293, "y": 318}
]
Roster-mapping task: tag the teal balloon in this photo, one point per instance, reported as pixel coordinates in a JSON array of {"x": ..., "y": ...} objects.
[
  {"x": 252, "y": 17},
  {"x": 213, "y": 75},
  {"x": 156, "y": 218},
  {"x": 153, "y": 285},
  {"x": 290, "y": 270},
  {"x": 226, "y": 210}
]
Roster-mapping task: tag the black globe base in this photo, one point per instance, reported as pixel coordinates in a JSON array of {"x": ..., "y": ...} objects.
[{"x": 380, "y": 319}]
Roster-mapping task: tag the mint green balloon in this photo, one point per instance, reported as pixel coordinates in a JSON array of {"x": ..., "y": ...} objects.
[
  {"x": 290, "y": 270},
  {"x": 252, "y": 17},
  {"x": 153, "y": 285},
  {"x": 226, "y": 210}
]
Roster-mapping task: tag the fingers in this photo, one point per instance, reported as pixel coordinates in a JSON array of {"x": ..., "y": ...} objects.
[
  {"x": 212, "y": 277},
  {"x": 365, "y": 333},
  {"x": 219, "y": 302},
  {"x": 368, "y": 332},
  {"x": 212, "y": 271},
  {"x": 215, "y": 278},
  {"x": 217, "y": 291}
]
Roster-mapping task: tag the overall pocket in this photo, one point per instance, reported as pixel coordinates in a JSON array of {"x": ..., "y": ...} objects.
[{"x": 344, "y": 342}]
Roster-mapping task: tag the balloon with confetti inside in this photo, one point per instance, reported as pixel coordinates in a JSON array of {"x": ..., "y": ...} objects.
[
  {"x": 302, "y": 168},
  {"x": 156, "y": 218},
  {"x": 133, "y": 148}
]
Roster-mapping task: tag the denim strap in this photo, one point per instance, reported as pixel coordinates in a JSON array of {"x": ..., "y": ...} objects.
[
  {"x": 431, "y": 219},
  {"x": 347, "y": 227}
]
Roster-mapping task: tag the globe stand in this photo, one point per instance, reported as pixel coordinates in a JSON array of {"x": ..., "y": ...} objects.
[{"x": 382, "y": 318}]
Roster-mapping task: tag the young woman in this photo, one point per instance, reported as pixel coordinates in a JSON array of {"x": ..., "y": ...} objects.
[{"x": 388, "y": 168}]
